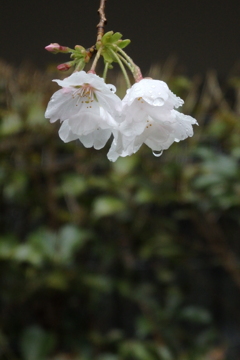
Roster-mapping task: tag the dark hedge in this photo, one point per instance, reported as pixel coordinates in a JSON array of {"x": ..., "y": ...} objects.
[{"x": 137, "y": 259}]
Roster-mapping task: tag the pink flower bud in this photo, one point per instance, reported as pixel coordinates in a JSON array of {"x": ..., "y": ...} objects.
[
  {"x": 64, "y": 66},
  {"x": 56, "y": 48}
]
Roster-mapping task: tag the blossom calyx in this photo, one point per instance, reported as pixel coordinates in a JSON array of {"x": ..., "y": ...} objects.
[
  {"x": 80, "y": 53},
  {"x": 110, "y": 44},
  {"x": 111, "y": 38}
]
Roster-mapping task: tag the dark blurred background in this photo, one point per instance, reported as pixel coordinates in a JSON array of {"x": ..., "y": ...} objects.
[
  {"x": 132, "y": 260},
  {"x": 202, "y": 34}
]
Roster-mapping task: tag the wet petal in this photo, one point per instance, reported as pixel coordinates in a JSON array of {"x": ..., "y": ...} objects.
[
  {"x": 97, "y": 139},
  {"x": 65, "y": 132}
]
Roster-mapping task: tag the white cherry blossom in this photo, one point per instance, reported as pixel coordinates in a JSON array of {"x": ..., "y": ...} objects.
[
  {"x": 148, "y": 116},
  {"x": 87, "y": 108}
]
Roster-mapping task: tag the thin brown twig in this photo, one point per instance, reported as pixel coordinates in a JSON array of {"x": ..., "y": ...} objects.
[{"x": 103, "y": 20}]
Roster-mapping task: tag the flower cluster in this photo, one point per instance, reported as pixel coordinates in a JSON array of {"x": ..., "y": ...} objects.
[{"x": 90, "y": 111}]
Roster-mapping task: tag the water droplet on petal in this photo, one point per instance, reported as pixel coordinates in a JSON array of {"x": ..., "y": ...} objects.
[
  {"x": 157, "y": 154},
  {"x": 158, "y": 102}
]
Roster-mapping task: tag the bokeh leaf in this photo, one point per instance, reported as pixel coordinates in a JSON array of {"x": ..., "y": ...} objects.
[{"x": 36, "y": 344}]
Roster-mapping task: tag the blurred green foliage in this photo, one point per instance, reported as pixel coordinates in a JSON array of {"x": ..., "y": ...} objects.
[{"x": 133, "y": 260}]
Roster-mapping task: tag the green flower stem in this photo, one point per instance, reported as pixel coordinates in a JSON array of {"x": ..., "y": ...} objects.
[
  {"x": 122, "y": 68},
  {"x": 126, "y": 63},
  {"x": 105, "y": 71},
  {"x": 80, "y": 66},
  {"x": 125, "y": 55},
  {"x": 135, "y": 69},
  {"x": 98, "y": 54}
]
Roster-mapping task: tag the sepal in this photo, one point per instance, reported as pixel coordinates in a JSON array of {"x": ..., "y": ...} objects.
[
  {"x": 111, "y": 39},
  {"x": 115, "y": 37},
  {"x": 110, "y": 43},
  {"x": 123, "y": 43}
]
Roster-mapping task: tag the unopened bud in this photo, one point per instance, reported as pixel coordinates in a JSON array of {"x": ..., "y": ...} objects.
[
  {"x": 56, "y": 48},
  {"x": 65, "y": 66}
]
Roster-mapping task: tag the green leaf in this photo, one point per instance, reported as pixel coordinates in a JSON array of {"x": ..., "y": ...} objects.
[
  {"x": 123, "y": 43},
  {"x": 26, "y": 253},
  {"x": 98, "y": 282},
  {"x": 107, "y": 37},
  {"x": 36, "y": 115},
  {"x": 144, "y": 327},
  {"x": 44, "y": 242},
  {"x": 206, "y": 180},
  {"x": 115, "y": 37},
  {"x": 70, "y": 240},
  {"x": 8, "y": 245},
  {"x": 136, "y": 350},
  {"x": 108, "y": 57},
  {"x": 108, "y": 357},
  {"x": 59, "y": 247},
  {"x": 11, "y": 123},
  {"x": 195, "y": 315},
  {"x": 36, "y": 344},
  {"x": 107, "y": 205},
  {"x": 164, "y": 353},
  {"x": 15, "y": 187},
  {"x": 57, "y": 280},
  {"x": 124, "y": 166},
  {"x": 72, "y": 184}
]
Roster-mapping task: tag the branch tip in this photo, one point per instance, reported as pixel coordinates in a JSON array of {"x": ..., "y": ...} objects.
[{"x": 103, "y": 20}]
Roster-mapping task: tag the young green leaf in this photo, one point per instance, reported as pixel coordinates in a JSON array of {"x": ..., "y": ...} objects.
[{"x": 123, "y": 43}]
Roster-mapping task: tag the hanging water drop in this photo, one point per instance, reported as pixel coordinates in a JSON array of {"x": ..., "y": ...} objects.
[{"x": 157, "y": 154}]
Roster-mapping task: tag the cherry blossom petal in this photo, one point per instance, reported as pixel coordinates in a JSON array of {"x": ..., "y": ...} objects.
[
  {"x": 65, "y": 132},
  {"x": 96, "y": 138}
]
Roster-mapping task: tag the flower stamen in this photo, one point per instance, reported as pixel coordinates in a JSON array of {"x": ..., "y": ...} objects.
[{"x": 85, "y": 93}]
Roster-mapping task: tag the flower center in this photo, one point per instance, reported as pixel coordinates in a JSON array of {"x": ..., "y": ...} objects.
[{"x": 85, "y": 93}]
